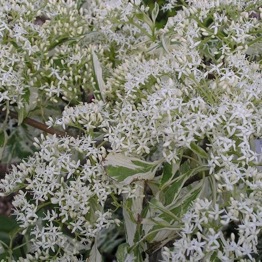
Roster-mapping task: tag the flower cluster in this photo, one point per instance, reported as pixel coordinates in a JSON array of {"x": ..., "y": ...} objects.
[
  {"x": 87, "y": 116},
  {"x": 211, "y": 232},
  {"x": 62, "y": 208},
  {"x": 204, "y": 89},
  {"x": 41, "y": 53}
]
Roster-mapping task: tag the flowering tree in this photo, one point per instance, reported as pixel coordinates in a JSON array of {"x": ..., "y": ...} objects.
[{"x": 104, "y": 112}]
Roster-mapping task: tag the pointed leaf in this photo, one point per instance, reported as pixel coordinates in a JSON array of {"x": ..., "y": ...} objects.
[
  {"x": 121, "y": 252},
  {"x": 3, "y": 141},
  {"x": 100, "y": 85},
  {"x": 144, "y": 18},
  {"x": 95, "y": 255},
  {"x": 3, "y": 136},
  {"x": 174, "y": 190},
  {"x": 155, "y": 12},
  {"x": 132, "y": 209},
  {"x": 126, "y": 169},
  {"x": 124, "y": 255},
  {"x": 7, "y": 224},
  {"x": 167, "y": 173},
  {"x": 198, "y": 150},
  {"x": 181, "y": 207},
  {"x": 164, "y": 44}
]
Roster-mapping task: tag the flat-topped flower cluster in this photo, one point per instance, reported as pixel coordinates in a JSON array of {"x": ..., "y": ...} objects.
[{"x": 164, "y": 121}]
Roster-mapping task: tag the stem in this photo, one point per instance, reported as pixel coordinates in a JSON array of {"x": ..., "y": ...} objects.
[{"x": 38, "y": 125}]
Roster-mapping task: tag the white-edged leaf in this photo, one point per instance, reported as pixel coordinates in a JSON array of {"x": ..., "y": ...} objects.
[
  {"x": 95, "y": 255},
  {"x": 130, "y": 227},
  {"x": 183, "y": 204},
  {"x": 132, "y": 210},
  {"x": 98, "y": 75},
  {"x": 3, "y": 141},
  {"x": 122, "y": 250},
  {"x": 163, "y": 42},
  {"x": 32, "y": 100},
  {"x": 169, "y": 170},
  {"x": 173, "y": 191},
  {"x": 123, "y": 254},
  {"x": 198, "y": 150},
  {"x": 144, "y": 18},
  {"x": 126, "y": 169},
  {"x": 155, "y": 12},
  {"x": 21, "y": 115}
]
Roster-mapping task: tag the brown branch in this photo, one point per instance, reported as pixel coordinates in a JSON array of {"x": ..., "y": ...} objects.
[
  {"x": 4, "y": 168},
  {"x": 44, "y": 127},
  {"x": 38, "y": 125}
]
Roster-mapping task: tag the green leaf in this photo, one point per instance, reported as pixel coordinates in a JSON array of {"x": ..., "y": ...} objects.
[
  {"x": 95, "y": 255},
  {"x": 21, "y": 115},
  {"x": 181, "y": 207},
  {"x": 175, "y": 213},
  {"x": 160, "y": 207},
  {"x": 174, "y": 190},
  {"x": 132, "y": 212},
  {"x": 164, "y": 43},
  {"x": 3, "y": 136},
  {"x": 198, "y": 150},
  {"x": 185, "y": 167},
  {"x": 100, "y": 85},
  {"x": 30, "y": 96},
  {"x": 122, "y": 251},
  {"x": 169, "y": 171},
  {"x": 4, "y": 238},
  {"x": 7, "y": 224},
  {"x": 3, "y": 141},
  {"x": 163, "y": 223},
  {"x": 155, "y": 12},
  {"x": 19, "y": 144},
  {"x": 159, "y": 226},
  {"x": 129, "y": 221},
  {"x": 26, "y": 95},
  {"x": 126, "y": 169},
  {"x": 60, "y": 41},
  {"x": 178, "y": 204},
  {"x": 4, "y": 256},
  {"x": 144, "y": 18}
]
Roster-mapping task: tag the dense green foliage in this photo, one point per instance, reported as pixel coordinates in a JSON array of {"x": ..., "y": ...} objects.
[{"x": 134, "y": 130}]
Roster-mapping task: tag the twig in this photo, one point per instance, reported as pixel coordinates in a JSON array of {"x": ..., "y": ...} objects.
[
  {"x": 31, "y": 122},
  {"x": 38, "y": 125}
]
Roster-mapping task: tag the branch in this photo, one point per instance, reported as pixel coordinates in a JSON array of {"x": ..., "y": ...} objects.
[
  {"x": 38, "y": 125},
  {"x": 4, "y": 168}
]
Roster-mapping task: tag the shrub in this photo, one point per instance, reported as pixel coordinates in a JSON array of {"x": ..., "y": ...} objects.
[{"x": 162, "y": 124}]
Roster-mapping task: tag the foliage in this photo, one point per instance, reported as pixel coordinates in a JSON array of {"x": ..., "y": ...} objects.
[{"x": 120, "y": 122}]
